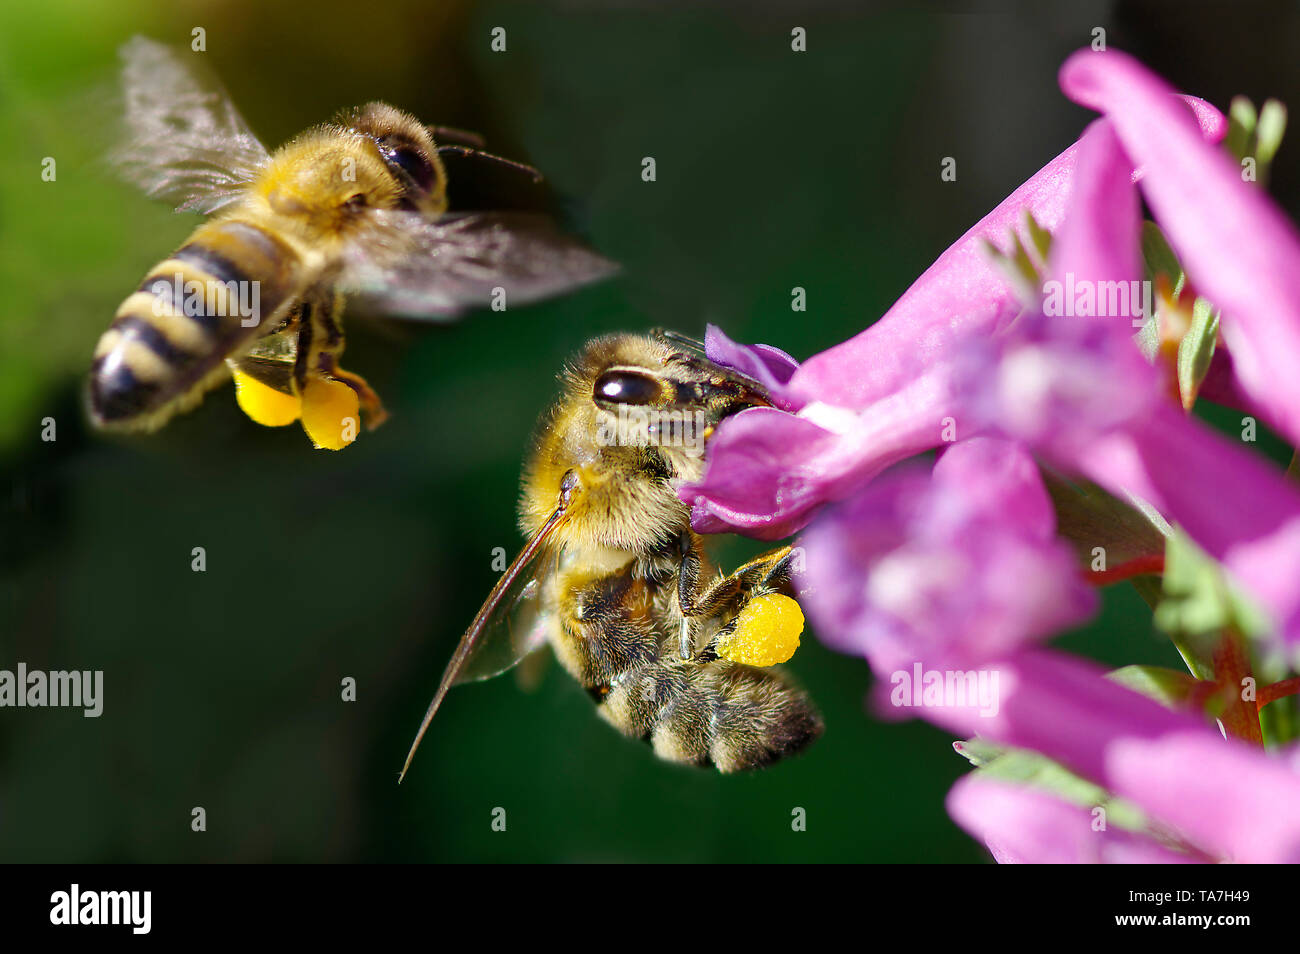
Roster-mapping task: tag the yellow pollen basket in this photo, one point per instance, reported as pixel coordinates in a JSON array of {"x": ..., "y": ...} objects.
[
  {"x": 330, "y": 410},
  {"x": 331, "y": 413},
  {"x": 766, "y": 632},
  {"x": 264, "y": 404}
]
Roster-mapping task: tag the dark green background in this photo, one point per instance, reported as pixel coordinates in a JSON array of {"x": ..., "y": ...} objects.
[{"x": 775, "y": 169}]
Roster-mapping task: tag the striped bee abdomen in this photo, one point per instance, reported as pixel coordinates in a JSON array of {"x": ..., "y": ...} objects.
[
  {"x": 169, "y": 339},
  {"x": 718, "y": 713},
  {"x": 703, "y": 711}
]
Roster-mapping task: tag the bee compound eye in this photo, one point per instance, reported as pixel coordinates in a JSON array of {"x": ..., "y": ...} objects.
[
  {"x": 410, "y": 161},
  {"x": 626, "y": 387}
]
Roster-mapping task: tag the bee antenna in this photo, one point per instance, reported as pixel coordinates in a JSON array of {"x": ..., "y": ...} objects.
[{"x": 676, "y": 337}]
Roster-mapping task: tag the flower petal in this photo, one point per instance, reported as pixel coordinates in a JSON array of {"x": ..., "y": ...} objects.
[
  {"x": 962, "y": 291},
  {"x": 949, "y": 569},
  {"x": 1238, "y": 248},
  {"x": 1230, "y": 800},
  {"x": 769, "y": 366},
  {"x": 768, "y": 470},
  {"x": 1234, "y": 800},
  {"x": 1234, "y": 505},
  {"x": 1022, "y": 825}
]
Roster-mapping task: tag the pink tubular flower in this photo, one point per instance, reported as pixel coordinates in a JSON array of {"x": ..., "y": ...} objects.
[
  {"x": 1081, "y": 394},
  {"x": 1238, "y": 248},
  {"x": 884, "y": 395},
  {"x": 1026, "y": 826},
  {"x": 949, "y": 568},
  {"x": 959, "y": 568},
  {"x": 1216, "y": 796},
  {"x": 1075, "y": 389}
]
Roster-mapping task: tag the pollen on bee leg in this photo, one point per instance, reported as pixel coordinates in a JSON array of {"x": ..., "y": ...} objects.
[
  {"x": 331, "y": 412},
  {"x": 264, "y": 404},
  {"x": 766, "y": 632}
]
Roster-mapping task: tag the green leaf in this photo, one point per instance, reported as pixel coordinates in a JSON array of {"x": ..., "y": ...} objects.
[
  {"x": 1196, "y": 349},
  {"x": 1280, "y": 721},
  {"x": 1169, "y": 687}
]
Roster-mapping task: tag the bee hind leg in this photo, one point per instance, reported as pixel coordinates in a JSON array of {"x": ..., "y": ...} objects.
[
  {"x": 329, "y": 335},
  {"x": 370, "y": 402},
  {"x": 767, "y": 573}
]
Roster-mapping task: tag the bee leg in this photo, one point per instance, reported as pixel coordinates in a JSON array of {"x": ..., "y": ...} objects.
[
  {"x": 303, "y": 359},
  {"x": 331, "y": 332},
  {"x": 370, "y": 403},
  {"x": 769, "y": 572}
]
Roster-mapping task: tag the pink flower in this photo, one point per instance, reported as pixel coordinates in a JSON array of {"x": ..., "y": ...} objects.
[
  {"x": 1022, "y": 825},
  {"x": 1217, "y": 797},
  {"x": 960, "y": 567},
  {"x": 949, "y": 568},
  {"x": 884, "y": 395},
  {"x": 1238, "y": 248}
]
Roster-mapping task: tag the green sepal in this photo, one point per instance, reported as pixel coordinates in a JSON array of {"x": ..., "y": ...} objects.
[
  {"x": 1199, "y": 603},
  {"x": 1269, "y": 131},
  {"x": 1241, "y": 126},
  {"x": 1160, "y": 259},
  {"x": 1196, "y": 349},
  {"x": 1089, "y": 517},
  {"x": 1254, "y": 135}
]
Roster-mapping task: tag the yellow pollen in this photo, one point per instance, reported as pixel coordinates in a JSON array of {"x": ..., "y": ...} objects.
[
  {"x": 766, "y": 632},
  {"x": 331, "y": 413},
  {"x": 263, "y": 404}
]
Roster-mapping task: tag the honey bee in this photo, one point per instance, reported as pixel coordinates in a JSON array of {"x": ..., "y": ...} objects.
[
  {"x": 616, "y": 581},
  {"x": 358, "y": 207}
]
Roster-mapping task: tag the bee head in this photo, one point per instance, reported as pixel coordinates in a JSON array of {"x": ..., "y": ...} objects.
[
  {"x": 630, "y": 428},
  {"x": 407, "y": 151}
]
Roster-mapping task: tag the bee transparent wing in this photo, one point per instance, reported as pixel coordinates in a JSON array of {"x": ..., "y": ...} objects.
[
  {"x": 517, "y": 628},
  {"x": 271, "y": 360},
  {"x": 434, "y": 269},
  {"x": 184, "y": 142},
  {"x": 479, "y": 651}
]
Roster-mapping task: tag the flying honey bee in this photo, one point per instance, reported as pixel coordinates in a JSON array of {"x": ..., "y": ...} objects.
[
  {"x": 358, "y": 208},
  {"x": 616, "y": 581}
]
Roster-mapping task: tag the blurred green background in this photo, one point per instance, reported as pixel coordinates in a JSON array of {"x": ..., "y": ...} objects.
[{"x": 222, "y": 688}]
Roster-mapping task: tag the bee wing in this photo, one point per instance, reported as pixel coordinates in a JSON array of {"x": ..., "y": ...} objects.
[
  {"x": 273, "y": 372},
  {"x": 434, "y": 269},
  {"x": 483, "y": 652},
  {"x": 184, "y": 142},
  {"x": 271, "y": 360}
]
